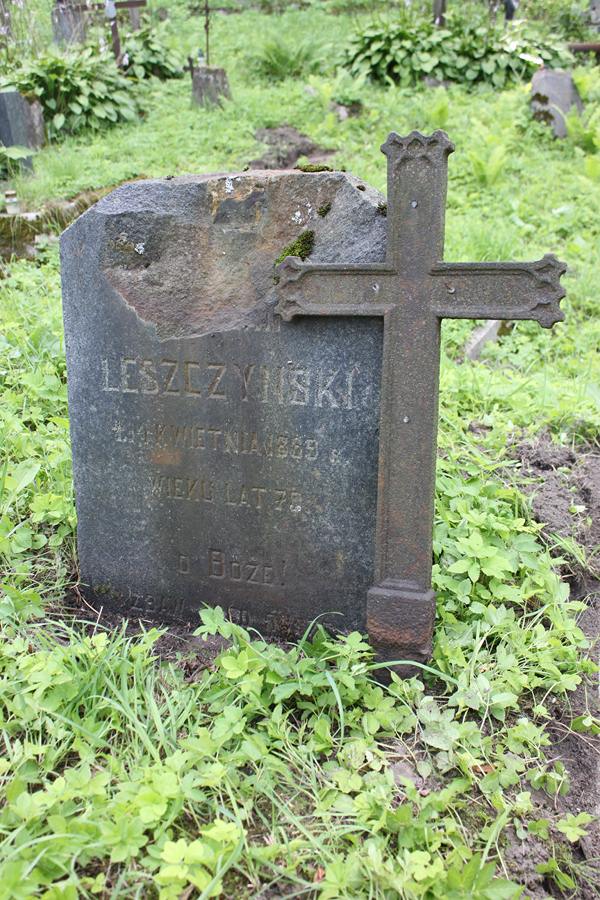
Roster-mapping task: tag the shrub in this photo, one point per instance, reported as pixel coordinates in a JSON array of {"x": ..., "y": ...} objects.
[
  {"x": 78, "y": 91},
  {"x": 277, "y": 60},
  {"x": 146, "y": 54},
  {"x": 468, "y": 50},
  {"x": 571, "y": 18}
]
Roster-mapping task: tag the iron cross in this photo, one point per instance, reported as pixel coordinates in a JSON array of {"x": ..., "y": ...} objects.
[{"x": 412, "y": 291}]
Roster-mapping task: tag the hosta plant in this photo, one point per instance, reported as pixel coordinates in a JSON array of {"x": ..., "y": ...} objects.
[
  {"x": 78, "y": 91},
  {"x": 467, "y": 50},
  {"x": 146, "y": 54}
]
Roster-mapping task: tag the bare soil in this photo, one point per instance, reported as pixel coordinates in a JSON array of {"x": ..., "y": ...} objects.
[
  {"x": 564, "y": 486},
  {"x": 285, "y": 146}
]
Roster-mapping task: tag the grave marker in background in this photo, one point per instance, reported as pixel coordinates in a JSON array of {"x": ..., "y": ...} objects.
[
  {"x": 110, "y": 9},
  {"x": 271, "y": 448},
  {"x": 21, "y": 122},
  {"x": 553, "y": 96},
  {"x": 5, "y": 23},
  {"x": 69, "y": 24},
  {"x": 209, "y": 83}
]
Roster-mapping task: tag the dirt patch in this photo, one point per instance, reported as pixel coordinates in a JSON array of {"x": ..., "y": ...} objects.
[
  {"x": 580, "y": 754},
  {"x": 285, "y": 147},
  {"x": 564, "y": 486}
]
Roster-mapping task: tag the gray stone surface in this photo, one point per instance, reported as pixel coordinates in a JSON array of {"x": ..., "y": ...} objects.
[
  {"x": 221, "y": 455},
  {"x": 481, "y": 336},
  {"x": 69, "y": 26},
  {"x": 209, "y": 86},
  {"x": 21, "y": 123},
  {"x": 553, "y": 95},
  {"x": 595, "y": 13},
  {"x": 5, "y": 22}
]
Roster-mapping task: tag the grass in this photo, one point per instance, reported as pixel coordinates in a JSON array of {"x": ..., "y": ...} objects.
[{"x": 290, "y": 772}]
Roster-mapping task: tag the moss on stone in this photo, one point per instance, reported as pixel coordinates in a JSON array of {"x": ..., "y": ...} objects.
[
  {"x": 314, "y": 167},
  {"x": 301, "y": 247},
  {"x": 323, "y": 210}
]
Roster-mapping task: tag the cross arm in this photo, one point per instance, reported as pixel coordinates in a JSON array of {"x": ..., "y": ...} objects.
[
  {"x": 527, "y": 290},
  {"x": 316, "y": 290}
]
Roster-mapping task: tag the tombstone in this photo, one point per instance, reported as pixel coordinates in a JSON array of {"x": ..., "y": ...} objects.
[
  {"x": 135, "y": 18},
  {"x": 595, "y": 13},
  {"x": 553, "y": 95},
  {"x": 209, "y": 85},
  {"x": 69, "y": 25},
  {"x": 484, "y": 334},
  {"x": 267, "y": 444},
  {"x": 5, "y": 23},
  {"x": 21, "y": 122}
]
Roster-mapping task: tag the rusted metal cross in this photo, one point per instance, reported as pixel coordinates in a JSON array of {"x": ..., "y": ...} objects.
[{"x": 413, "y": 290}]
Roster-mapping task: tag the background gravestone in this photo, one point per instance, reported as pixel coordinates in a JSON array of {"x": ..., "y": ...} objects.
[
  {"x": 135, "y": 18},
  {"x": 5, "y": 22},
  {"x": 21, "y": 122},
  {"x": 221, "y": 455},
  {"x": 69, "y": 24},
  {"x": 553, "y": 95},
  {"x": 209, "y": 85}
]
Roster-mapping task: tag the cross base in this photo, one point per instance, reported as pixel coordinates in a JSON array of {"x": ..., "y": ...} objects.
[{"x": 400, "y": 618}]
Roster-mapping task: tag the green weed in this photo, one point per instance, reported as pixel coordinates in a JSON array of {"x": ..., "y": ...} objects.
[
  {"x": 278, "y": 60},
  {"x": 290, "y": 771}
]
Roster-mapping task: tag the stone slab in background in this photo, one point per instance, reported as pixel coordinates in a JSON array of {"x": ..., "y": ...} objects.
[
  {"x": 209, "y": 86},
  {"x": 21, "y": 122},
  {"x": 553, "y": 95},
  {"x": 481, "y": 336},
  {"x": 69, "y": 25},
  {"x": 19, "y": 234},
  {"x": 135, "y": 18},
  {"x": 221, "y": 455},
  {"x": 5, "y": 22}
]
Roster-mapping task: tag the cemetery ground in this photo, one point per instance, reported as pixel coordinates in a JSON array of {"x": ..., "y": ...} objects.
[{"x": 137, "y": 763}]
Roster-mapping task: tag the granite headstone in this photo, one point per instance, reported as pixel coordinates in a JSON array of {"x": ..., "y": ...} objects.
[
  {"x": 220, "y": 455},
  {"x": 267, "y": 443}
]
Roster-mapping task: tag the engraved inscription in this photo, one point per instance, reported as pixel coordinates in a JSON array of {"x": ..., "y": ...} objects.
[
  {"x": 289, "y": 385},
  {"x": 231, "y": 442},
  {"x": 232, "y": 567},
  {"x": 150, "y": 604},
  {"x": 196, "y": 489}
]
